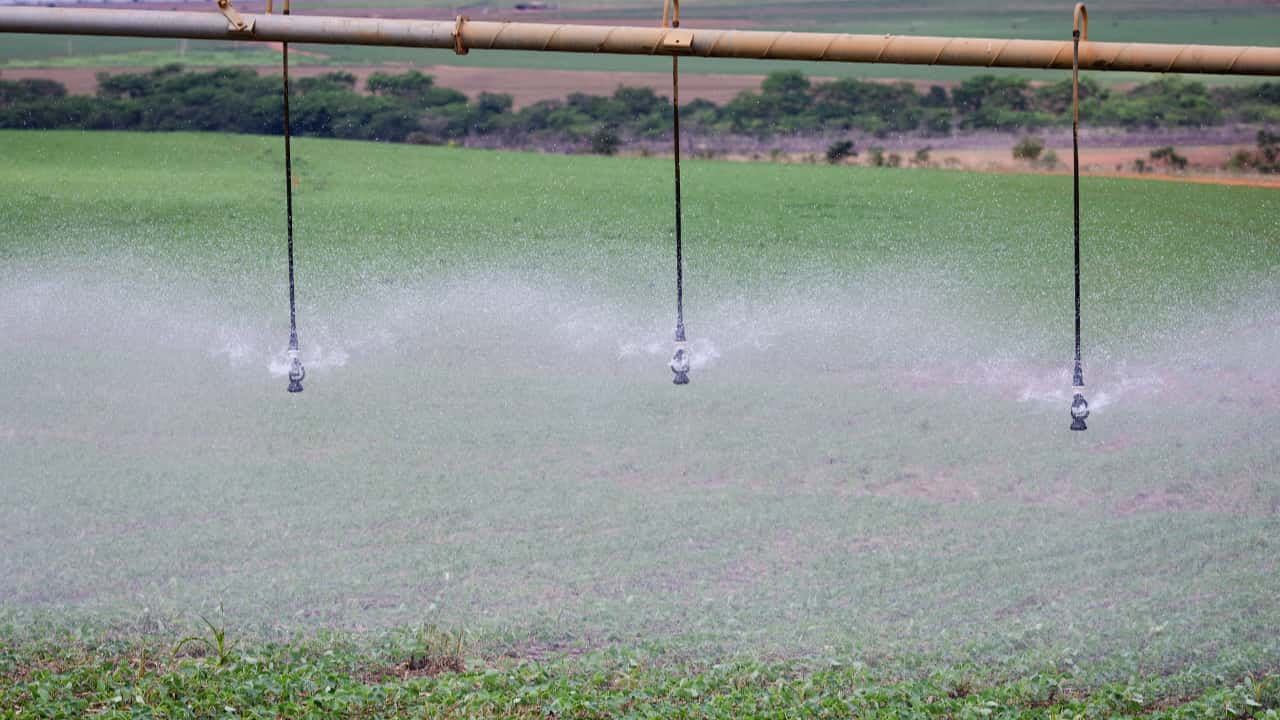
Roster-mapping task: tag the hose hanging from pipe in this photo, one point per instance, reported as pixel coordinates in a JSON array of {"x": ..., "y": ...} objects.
[
  {"x": 680, "y": 359},
  {"x": 296, "y": 371},
  {"x": 1080, "y": 25}
]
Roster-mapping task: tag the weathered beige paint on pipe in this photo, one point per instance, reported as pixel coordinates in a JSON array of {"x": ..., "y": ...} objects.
[{"x": 477, "y": 35}]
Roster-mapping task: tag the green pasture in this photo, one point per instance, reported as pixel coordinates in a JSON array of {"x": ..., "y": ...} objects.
[
  {"x": 24, "y": 51},
  {"x": 871, "y": 473},
  {"x": 161, "y": 55}
]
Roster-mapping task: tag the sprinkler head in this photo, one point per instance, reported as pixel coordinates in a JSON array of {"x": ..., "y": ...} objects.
[
  {"x": 296, "y": 372},
  {"x": 680, "y": 365},
  {"x": 1079, "y": 410}
]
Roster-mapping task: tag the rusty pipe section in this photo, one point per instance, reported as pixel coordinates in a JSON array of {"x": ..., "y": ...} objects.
[{"x": 621, "y": 40}]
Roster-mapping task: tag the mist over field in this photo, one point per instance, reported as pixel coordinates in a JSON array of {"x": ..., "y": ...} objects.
[{"x": 872, "y": 462}]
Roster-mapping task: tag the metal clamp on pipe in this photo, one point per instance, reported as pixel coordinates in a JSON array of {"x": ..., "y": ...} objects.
[
  {"x": 674, "y": 41},
  {"x": 459, "y": 48},
  {"x": 235, "y": 21},
  {"x": 677, "y": 42}
]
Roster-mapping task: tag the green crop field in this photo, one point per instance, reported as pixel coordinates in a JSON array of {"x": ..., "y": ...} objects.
[{"x": 867, "y": 503}]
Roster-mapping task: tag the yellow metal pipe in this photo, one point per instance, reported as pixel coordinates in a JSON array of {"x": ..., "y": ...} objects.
[{"x": 621, "y": 40}]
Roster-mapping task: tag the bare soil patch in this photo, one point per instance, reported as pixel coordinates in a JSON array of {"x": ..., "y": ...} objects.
[
  {"x": 78, "y": 81},
  {"x": 417, "y": 666},
  {"x": 536, "y": 651},
  {"x": 1233, "y": 497},
  {"x": 1204, "y": 163},
  {"x": 917, "y": 483},
  {"x": 530, "y": 86}
]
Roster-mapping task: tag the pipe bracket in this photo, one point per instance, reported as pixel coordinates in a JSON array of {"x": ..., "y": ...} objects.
[
  {"x": 235, "y": 21},
  {"x": 677, "y": 42},
  {"x": 459, "y": 48}
]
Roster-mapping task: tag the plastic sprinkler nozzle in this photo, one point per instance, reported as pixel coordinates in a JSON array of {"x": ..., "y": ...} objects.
[
  {"x": 1079, "y": 409},
  {"x": 296, "y": 371},
  {"x": 1079, "y": 406},
  {"x": 680, "y": 365}
]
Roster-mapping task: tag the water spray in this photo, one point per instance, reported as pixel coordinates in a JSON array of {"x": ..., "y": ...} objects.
[
  {"x": 675, "y": 42},
  {"x": 1079, "y": 31},
  {"x": 296, "y": 371},
  {"x": 459, "y": 35}
]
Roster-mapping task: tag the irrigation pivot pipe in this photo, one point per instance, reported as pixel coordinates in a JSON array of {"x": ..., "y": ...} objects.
[{"x": 623, "y": 40}]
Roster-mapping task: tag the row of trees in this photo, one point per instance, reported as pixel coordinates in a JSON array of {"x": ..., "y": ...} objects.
[{"x": 409, "y": 107}]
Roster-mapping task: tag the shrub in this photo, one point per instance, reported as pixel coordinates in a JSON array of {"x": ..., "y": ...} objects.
[
  {"x": 1168, "y": 156},
  {"x": 605, "y": 140},
  {"x": 1265, "y": 160},
  {"x": 1028, "y": 148},
  {"x": 26, "y": 90},
  {"x": 1269, "y": 151},
  {"x": 997, "y": 103},
  {"x": 418, "y": 137},
  {"x": 839, "y": 150}
]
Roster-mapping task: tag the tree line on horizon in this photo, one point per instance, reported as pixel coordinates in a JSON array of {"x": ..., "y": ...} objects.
[{"x": 410, "y": 107}]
